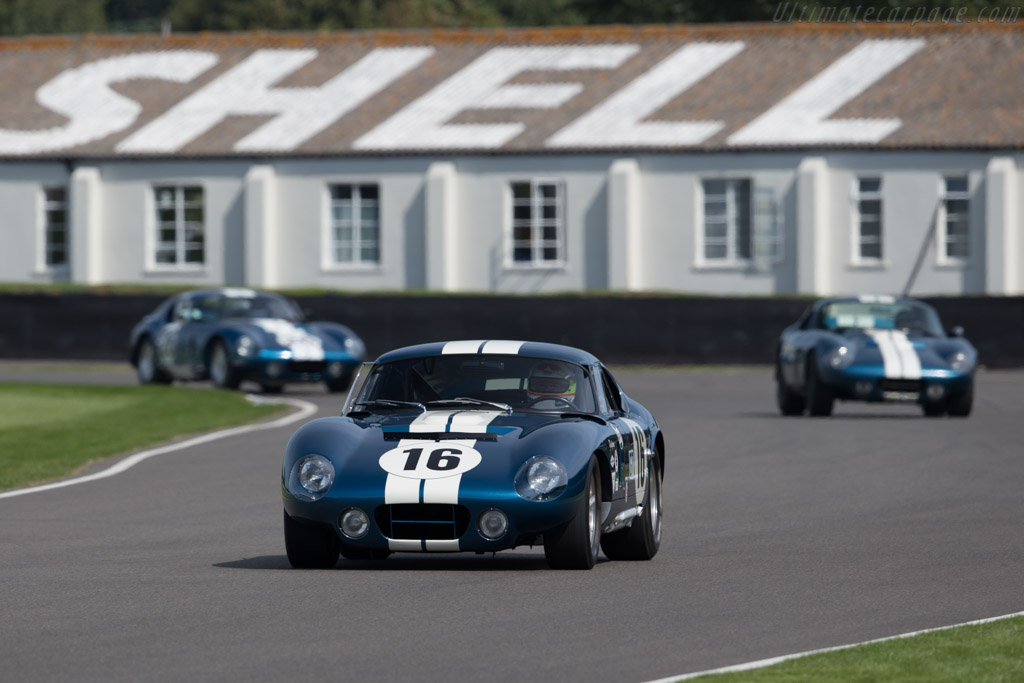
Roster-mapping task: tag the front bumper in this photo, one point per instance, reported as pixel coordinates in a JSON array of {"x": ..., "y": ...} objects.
[
  {"x": 869, "y": 383},
  {"x": 437, "y": 527},
  {"x": 280, "y": 367}
]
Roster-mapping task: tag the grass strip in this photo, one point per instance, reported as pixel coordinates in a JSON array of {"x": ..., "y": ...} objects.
[
  {"x": 48, "y": 432},
  {"x": 991, "y": 652}
]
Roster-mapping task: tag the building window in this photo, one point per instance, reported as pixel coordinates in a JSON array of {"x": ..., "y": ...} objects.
[
  {"x": 538, "y": 224},
  {"x": 180, "y": 235},
  {"x": 727, "y": 234},
  {"x": 355, "y": 225},
  {"x": 55, "y": 221},
  {"x": 868, "y": 202},
  {"x": 955, "y": 219}
]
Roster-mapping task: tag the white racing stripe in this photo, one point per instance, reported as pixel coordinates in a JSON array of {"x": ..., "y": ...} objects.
[
  {"x": 507, "y": 347},
  {"x": 761, "y": 663},
  {"x": 898, "y": 355},
  {"x": 305, "y": 410},
  {"x": 468, "y": 346},
  {"x": 445, "y": 490}
]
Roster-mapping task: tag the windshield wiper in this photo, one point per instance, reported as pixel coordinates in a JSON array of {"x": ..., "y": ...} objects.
[
  {"x": 390, "y": 403},
  {"x": 466, "y": 400}
]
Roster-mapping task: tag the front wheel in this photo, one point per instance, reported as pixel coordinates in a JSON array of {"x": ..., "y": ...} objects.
[
  {"x": 819, "y": 397},
  {"x": 223, "y": 374},
  {"x": 575, "y": 545},
  {"x": 641, "y": 540},
  {"x": 960, "y": 404},
  {"x": 336, "y": 386},
  {"x": 309, "y": 547},
  {"x": 146, "y": 366}
]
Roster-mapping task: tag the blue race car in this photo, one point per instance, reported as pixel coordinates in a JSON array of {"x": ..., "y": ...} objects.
[
  {"x": 477, "y": 446},
  {"x": 873, "y": 348},
  {"x": 230, "y": 335}
]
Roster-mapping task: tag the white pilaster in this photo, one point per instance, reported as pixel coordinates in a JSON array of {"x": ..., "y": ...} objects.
[
  {"x": 261, "y": 228},
  {"x": 814, "y": 254},
  {"x": 625, "y": 232},
  {"x": 442, "y": 242},
  {"x": 85, "y": 226},
  {"x": 1003, "y": 240}
]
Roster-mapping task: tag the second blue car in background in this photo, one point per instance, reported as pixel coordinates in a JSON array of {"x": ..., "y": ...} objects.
[{"x": 230, "y": 335}]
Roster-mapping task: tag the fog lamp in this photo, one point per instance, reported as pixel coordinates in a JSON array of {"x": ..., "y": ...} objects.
[
  {"x": 935, "y": 392},
  {"x": 353, "y": 522},
  {"x": 334, "y": 369},
  {"x": 274, "y": 369},
  {"x": 492, "y": 524}
]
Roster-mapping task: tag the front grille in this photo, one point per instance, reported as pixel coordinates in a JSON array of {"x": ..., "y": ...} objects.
[
  {"x": 306, "y": 366},
  {"x": 903, "y": 385},
  {"x": 427, "y": 521}
]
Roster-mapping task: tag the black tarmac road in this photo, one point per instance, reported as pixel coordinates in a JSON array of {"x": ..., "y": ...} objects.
[{"x": 781, "y": 536}]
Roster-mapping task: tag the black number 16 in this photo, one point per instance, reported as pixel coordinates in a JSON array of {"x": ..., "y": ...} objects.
[{"x": 440, "y": 459}]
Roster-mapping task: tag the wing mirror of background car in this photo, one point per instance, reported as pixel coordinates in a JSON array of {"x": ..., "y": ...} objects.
[{"x": 956, "y": 331}]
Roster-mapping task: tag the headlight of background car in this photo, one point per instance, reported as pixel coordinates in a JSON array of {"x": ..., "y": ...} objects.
[
  {"x": 841, "y": 358},
  {"x": 354, "y": 346},
  {"x": 541, "y": 478},
  {"x": 960, "y": 362},
  {"x": 246, "y": 346},
  {"x": 311, "y": 477}
]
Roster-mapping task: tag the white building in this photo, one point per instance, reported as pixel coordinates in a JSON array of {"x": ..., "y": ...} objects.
[{"x": 736, "y": 159}]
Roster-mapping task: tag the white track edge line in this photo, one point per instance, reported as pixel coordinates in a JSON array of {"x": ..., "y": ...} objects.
[
  {"x": 761, "y": 663},
  {"x": 305, "y": 409}
]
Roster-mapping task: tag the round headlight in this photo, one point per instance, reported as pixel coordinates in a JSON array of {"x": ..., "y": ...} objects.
[
  {"x": 541, "y": 478},
  {"x": 311, "y": 478},
  {"x": 246, "y": 346},
  {"x": 354, "y": 523},
  {"x": 840, "y": 358},
  {"x": 960, "y": 362},
  {"x": 354, "y": 346}
]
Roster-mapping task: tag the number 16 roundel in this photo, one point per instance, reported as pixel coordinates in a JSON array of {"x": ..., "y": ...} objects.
[{"x": 429, "y": 460}]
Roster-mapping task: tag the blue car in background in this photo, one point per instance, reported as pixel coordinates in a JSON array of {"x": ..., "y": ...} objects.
[
  {"x": 477, "y": 446},
  {"x": 874, "y": 348},
  {"x": 230, "y": 335}
]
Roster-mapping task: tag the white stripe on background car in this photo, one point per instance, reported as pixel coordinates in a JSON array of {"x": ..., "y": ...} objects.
[
  {"x": 303, "y": 345},
  {"x": 412, "y": 478},
  {"x": 898, "y": 355},
  {"x": 876, "y": 299}
]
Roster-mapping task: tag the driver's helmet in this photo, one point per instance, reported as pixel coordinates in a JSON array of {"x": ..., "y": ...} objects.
[{"x": 551, "y": 379}]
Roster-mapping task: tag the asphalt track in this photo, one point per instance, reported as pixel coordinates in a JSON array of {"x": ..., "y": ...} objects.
[{"x": 781, "y": 536}]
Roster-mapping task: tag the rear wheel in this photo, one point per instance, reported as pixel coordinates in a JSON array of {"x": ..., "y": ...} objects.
[
  {"x": 960, "y": 404},
  {"x": 641, "y": 540},
  {"x": 146, "y": 366},
  {"x": 309, "y": 547},
  {"x": 575, "y": 546},
  {"x": 819, "y": 397},
  {"x": 223, "y": 374}
]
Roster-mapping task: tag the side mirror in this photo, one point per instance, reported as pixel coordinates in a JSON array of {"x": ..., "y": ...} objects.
[{"x": 956, "y": 331}]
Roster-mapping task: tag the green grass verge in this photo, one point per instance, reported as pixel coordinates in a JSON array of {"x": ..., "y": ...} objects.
[
  {"x": 991, "y": 652},
  {"x": 52, "y": 431}
]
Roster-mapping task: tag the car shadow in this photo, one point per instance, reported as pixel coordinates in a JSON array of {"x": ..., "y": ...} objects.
[
  {"x": 411, "y": 562},
  {"x": 841, "y": 416}
]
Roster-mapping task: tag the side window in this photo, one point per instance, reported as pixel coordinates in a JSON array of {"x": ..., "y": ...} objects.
[
  {"x": 183, "y": 309},
  {"x": 611, "y": 392}
]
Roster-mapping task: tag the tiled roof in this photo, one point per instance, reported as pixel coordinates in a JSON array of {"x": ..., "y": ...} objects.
[{"x": 664, "y": 88}]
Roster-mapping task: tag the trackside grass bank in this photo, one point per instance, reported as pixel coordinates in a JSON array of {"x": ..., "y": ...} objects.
[
  {"x": 49, "y": 432},
  {"x": 992, "y": 652}
]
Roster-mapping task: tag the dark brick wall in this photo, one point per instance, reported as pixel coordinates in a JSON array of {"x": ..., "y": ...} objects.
[{"x": 618, "y": 329}]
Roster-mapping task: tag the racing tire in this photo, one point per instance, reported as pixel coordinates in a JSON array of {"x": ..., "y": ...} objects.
[
  {"x": 576, "y": 545},
  {"x": 933, "y": 409},
  {"x": 146, "y": 366},
  {"x": 640, "y": 540},
  {"x": 222, "y": 373},
  {"x": 960, "y": 404},
  {"x": 820, "y": 398},
  {"x": 309, "y": 547},
  {"x": 790, "y": 403},
  {"x": 271, "y": 388}
]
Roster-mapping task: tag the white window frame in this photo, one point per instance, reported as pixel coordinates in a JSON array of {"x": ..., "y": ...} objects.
[
  {"x": 46, "y": 204},
  {"x": 942, "y": 216},
  {"x": 537, "y": 243},
  {"x": 180, "y": 244},
  {"x": 331, "y": 243},
  {"x": 732, "y": 258},
  {"x": 856, "y": 216}
]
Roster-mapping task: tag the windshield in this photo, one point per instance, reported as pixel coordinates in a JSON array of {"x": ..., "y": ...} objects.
[
  {"x": 519, "y": 382},
  {"x": 911, "y": 318},
  {"x": 259, "y": 306}
]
